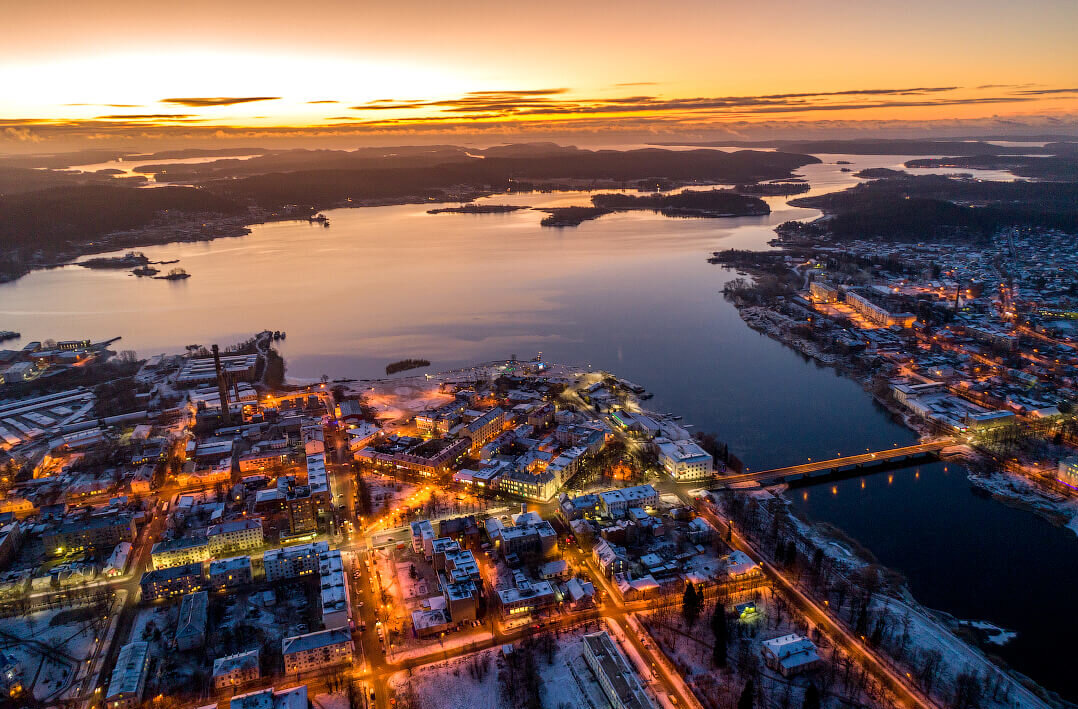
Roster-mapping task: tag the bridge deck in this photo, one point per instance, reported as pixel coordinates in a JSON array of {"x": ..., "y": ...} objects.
[{"x": 871, "y": 458}]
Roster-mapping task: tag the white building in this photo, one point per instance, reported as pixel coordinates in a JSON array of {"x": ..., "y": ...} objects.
[
  {"x": 129, "y": 676},
  {"x": 790, "y": 654},
  {"x": 740, "y": 566},
  {"x": 685, "y": 460},
  {"x": 362, "y": 435},
  {"x": 336, "y": 604},
  {"x": 617, "y": 678},
  {"x": 615, "y": 503}
]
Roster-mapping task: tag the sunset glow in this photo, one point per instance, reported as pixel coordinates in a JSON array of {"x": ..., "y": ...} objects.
[{"x": 360, "y": 68}]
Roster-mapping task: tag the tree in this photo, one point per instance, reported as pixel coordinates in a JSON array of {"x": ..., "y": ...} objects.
[
  {"x": 747, "y": 700},
  {"x": 812, "y": 698},
  {"x": 363, "y": 493},
  {"x": 718, "y": 628},
  {"x": 690, "y": 605}
]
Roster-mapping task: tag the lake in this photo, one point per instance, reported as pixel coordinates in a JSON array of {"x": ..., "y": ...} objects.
[{"x": 631, "y": 293}]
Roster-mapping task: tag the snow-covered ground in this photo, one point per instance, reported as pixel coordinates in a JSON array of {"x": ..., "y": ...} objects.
[
  {"x": 1018, "y": 490},
  {"x": 30, "y": 640},
  {"x": 927, "y": 632},
  {"x": 472, "y": 681}
]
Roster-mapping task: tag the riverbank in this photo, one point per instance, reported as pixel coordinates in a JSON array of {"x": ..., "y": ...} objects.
[{"x": 784, "y": 320}]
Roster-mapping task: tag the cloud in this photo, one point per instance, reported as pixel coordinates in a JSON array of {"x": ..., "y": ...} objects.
[
  {"x": 547, "y": 103},
  {"x": 22, "y": 135},
  {"x": 144, "y": 116},
  {"x": 524, "y": 92},
  {"x": 1047, "y": 92},
  {"x": 202, "y": 102},
  {"x": 324, "y": 101}
]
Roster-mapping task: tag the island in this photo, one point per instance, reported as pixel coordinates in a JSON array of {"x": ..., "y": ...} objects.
[
  {"x": 477, "y": 209},
  {"x": 176, "y": 274},
  {"x": 131, "y": 259},
  {"x": 773, "y": 189},
  {"x": 571, "y": 216},
  {"x": 690, "y": 203},
  {"x": 406, "y": 364},
  {"x": 876, "y": 173}
]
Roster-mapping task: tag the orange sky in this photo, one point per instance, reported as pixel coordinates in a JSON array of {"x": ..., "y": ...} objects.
[{"x": 124, "y": 65}]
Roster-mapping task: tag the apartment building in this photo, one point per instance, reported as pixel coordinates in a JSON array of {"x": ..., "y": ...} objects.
[{"x": 317, "y": 650}]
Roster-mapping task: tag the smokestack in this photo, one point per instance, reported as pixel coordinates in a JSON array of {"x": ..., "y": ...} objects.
[{"x": 222, "y": 388}]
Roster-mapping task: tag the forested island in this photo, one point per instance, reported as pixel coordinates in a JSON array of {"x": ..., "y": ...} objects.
[
  {"x": 773, "y": 189},
  {"x": 477, "y": 209},
  {"x": 405, "y": 364},
  {"x": 690, "y": 203}
]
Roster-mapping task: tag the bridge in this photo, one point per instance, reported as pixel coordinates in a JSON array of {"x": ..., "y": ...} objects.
[{"x": 823, "y": 468}]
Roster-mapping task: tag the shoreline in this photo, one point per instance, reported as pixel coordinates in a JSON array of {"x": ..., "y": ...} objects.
[
  {"x": 1014, "y": 489},
  {"x": 200, "y": 229}
]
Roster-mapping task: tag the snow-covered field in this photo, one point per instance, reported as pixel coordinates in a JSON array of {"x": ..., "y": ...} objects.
[
  {"x": 49, "y": 653},
  {"x": 472, "y": 681}
]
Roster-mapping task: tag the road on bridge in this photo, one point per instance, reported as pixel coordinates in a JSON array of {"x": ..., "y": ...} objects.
[{"x": 779, "y": 474}]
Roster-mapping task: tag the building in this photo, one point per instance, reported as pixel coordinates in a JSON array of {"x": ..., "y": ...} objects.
[
  {"x": 685, "y": 461},
  {"x": 790, "y": 654},
  {"x": 202, "y": 370},
  {"x": 463, "y": 529},
  {"x": 318, "y": 480},
  {"x": 616, "y": 503},
  {"x": 117, "y": 561},
  {"x": 572, "y": 508},
  {"x": 531, "y": 536},
  {"x": 290, "y": 562},
  {"x": 526, "y": 596},
  {"x": 294, "y": 698},
  {"x": 235, "y": 536},
  {"x": 128, "y": 676},
  {"x": 1068, "y": 471},
  {"x": 739, "y": 566},
  {"x": 236, "y": 670},
  {"x": 234, "y": 571},
  {"x": 191, "y": 625},
  {"x": 619, "y": 682},
  {"x": 170, "y": 582},
  {"x": 316, "y": 650},
  {"x": 362, "y": 435},
  {"x": 609, "y": 558},
  {"x": 336, "y": 603},
  {"x": 428, "y": 624},
  {"x": 823, "y": 292},
  {"x": 180, "y": 552},
  {"x": 263, "y": 460},
  {"x": 878, "y": 315},
  {"x": 422, "y": 536},
  {"x": 484, "y": 428},
  {"x": 96, "y": 533}
]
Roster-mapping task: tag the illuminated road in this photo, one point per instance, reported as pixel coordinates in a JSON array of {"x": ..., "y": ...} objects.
[{"x": 855, "y": 648}]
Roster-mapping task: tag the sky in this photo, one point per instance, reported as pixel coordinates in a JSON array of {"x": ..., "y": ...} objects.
[{"x": 114, "y": 70}]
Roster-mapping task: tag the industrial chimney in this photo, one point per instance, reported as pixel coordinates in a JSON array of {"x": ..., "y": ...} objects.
[{"x": 222, "y": 388}]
